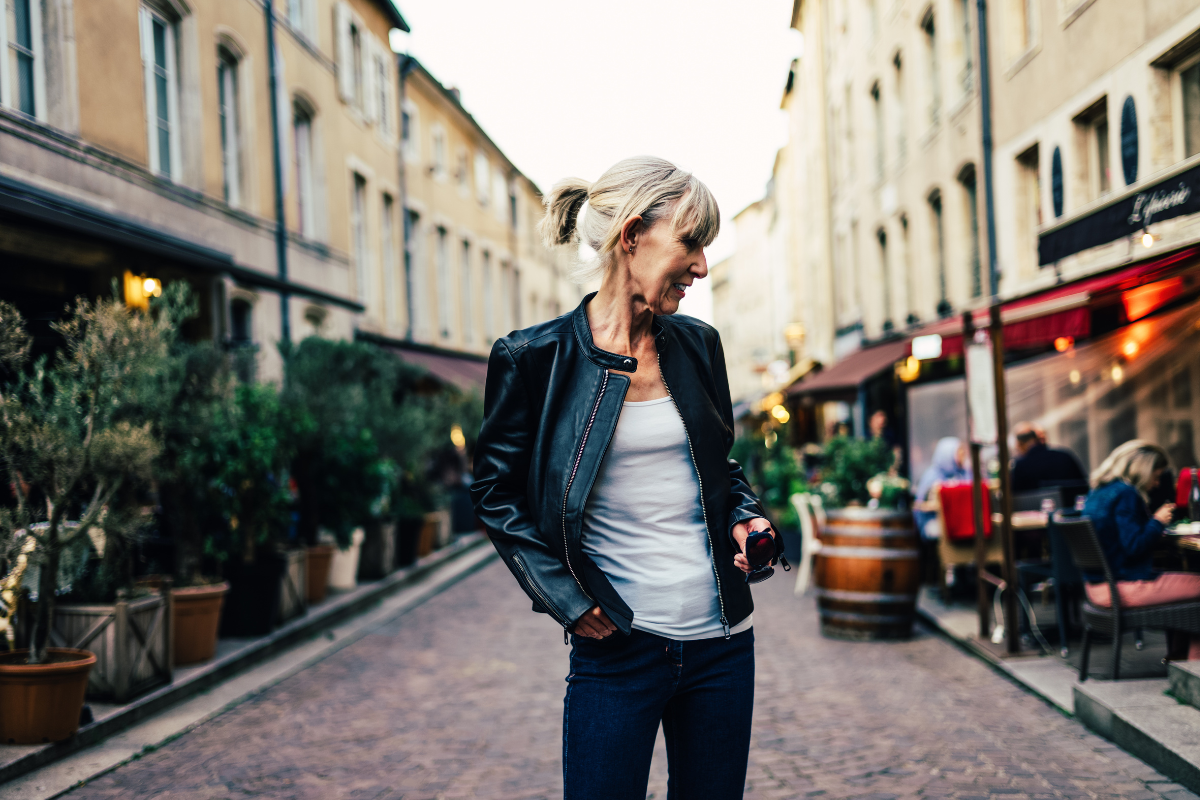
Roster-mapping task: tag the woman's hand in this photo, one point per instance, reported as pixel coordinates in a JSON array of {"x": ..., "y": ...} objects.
[
  {"x": 595, "y": 624},
  {"x": 741, "y": 532},
  {"x": 1164, "y": 513}
]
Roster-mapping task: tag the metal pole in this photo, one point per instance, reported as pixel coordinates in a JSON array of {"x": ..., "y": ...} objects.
[
  {"x": 1011, "y": 634},
  {"x": 985, "y": 101},
  {"x": 981, "y": 586},
  {"x": 277, "y": 161}
]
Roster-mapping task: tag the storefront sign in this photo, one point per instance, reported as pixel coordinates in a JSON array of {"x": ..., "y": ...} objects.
[
  {"x": 981, "y": 390},
  {"x": 1174, "y": 197}
]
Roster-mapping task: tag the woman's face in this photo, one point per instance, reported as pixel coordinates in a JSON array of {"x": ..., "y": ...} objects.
[
  {"x": 960, "y": 455},
  {"x": 663, "y": 268}
]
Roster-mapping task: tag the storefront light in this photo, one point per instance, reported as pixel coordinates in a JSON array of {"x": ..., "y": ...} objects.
[
  {"x": 924, "y": 347},
  {"x": 1118, "y": 374},
  {"x": 1075, "y": 377},
  {"x": 909, "y": 369},
  {"x": 1129, "y": 349},
  {"x": 1064, "y": 343},
  {"x": 780, "y": 413}
]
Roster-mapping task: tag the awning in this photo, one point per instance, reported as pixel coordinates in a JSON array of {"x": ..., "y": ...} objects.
[
  {"x": 1036, "y": 320},
  {"x": 467, "y": 371},
  {"x": 847, "y": 374}
]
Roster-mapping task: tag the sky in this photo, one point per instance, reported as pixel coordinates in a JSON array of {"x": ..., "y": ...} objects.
[{"x": 568, "y": 88}]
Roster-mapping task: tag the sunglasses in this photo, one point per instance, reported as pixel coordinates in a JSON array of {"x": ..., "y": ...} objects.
[{"x": 760, "y": 552}]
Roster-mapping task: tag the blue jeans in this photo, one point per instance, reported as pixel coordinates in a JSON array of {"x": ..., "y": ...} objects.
[{"x": 620, "y": 689}]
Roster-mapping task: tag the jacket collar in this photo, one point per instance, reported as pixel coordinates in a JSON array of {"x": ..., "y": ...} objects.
[{"x": 603, "y": 358}]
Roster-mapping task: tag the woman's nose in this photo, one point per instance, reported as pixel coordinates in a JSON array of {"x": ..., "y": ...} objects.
[{"x": 700, "y": 268}]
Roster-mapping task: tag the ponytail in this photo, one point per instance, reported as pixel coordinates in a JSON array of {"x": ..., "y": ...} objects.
[{"x": 562, "y": 211}]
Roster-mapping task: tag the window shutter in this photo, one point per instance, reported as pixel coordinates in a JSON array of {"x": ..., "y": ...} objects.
[
  {"x": 345, "y": 70},
  {"x": 370, "y": 98},
  {"x": 147, "y": 38}
]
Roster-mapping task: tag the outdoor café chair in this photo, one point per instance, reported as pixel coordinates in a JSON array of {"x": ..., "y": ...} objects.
[
  {"x": 812, "y": 518},
  {"x": 1059, "y": 568},
  {"x": 1085, "y": 549}
]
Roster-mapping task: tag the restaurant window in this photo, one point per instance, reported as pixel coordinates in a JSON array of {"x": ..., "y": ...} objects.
[
  {"x": 1091, "y": 138},
  {"x": 1029, "y": 207},
  {"x": 885, "y": 278},
  {"x": 160, "y": 65},
  {"x": 465, "y": 293},
  {"x": 901, "y": 144},
  {"x": 231, "y": 128},
  {"x": 302, "y": 143},
  {"x": 387, "y": 247},
  {"x": 931, "y": 66},
  {"x": 24, "y": 88},
  {"x": 443, "y": 280},
  {"x": 1189, "y": 84},
  {"x": 877, "y": 108},
  {"x": 358, "y": 235},
  {"x": 939, "y": 238},
  {"x": 966, "y": 179}
]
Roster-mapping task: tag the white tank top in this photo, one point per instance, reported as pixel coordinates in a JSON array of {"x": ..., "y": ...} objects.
[{"x": 644, "y": 527}]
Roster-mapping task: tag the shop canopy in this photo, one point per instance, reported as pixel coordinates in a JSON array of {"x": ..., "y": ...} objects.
[
  {"x": 847, "y": 374},
  {"x": 467, "y": 371},
  {"x": 1065, "y": 310}
]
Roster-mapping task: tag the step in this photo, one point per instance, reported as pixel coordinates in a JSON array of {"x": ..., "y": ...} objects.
[
  {"x": 1142, "y": 717},
  {"x": 1185, "y": 681}
]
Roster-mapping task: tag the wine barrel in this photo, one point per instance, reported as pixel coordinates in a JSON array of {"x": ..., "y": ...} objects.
[{"x": 867, "y": 574}]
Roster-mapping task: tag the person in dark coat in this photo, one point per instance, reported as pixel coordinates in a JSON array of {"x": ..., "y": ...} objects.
[{"x": 1038, "y": 466}]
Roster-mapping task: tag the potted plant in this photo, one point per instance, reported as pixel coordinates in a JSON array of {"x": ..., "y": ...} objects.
[{"x": 77, "y": 450}]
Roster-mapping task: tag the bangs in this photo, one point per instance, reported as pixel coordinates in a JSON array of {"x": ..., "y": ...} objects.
[{"x": 696, "y": 216}]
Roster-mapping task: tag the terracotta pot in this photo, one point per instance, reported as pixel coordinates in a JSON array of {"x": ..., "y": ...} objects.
[
  {"x": 196, "y": 617},
  {"x": 41, "y": 702},
  {"x": 317, "y": 582}
]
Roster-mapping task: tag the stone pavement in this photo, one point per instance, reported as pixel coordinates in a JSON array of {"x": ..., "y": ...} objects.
[{"x": 462, "y": 697}]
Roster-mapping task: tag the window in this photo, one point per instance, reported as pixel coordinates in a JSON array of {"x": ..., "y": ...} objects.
[
  {"x": 901, "y": 144},
  {"x": 482, "y": 177},
  {"x": 877, "y": 107},
  {"x": 966, "y": 76},
  {"x": 1029, "y": 207},
  {"x": 24, "y": 89},
  {"x": 1189, "y": 80},
  {"x": 439, "y": 152},
  {"x": 358, "y": 235},
  {"x": 499, "y": 195},
  {"x": 410, "y": 131},
  {"x": 468, "y": 312},
  {"x": 931, "y": 67},
  {"x": 383, "y": 90},
  {"x": 302, "y": 17},
  {"x": 885, "y": 278},
  {"x": 1091, "y": 138},
  {"x": 302, "y": 145},
  {"x": 227, "y": 100},
  {"x": 241, "y": 319},
  {"x": 414, "y": 276},
  {"x": 489, "y": 299},
  {"x": 939, "y": 236},
  {"x": 906, "y": 243},
  {"x": 443, "y": 281},
  {"x": 971, "y": 202},
  {"x": 356, "y": 64},
  {"x": 462, "y": 171},
  {"x": 159, "y": 61},
  {"x": 512, "y": 204},
  {"x": 387, "y": 246}
]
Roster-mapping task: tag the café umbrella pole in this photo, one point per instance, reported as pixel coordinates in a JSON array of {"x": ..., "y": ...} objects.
[
  {"x": 981, "y": 586},
  {"x": 1011, "y": 632}
]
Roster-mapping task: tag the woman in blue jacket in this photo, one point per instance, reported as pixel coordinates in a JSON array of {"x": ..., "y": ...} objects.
[{"x": 1128, "y": 532}]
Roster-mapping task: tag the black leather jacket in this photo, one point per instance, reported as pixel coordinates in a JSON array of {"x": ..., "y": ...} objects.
[{"x": 550, "y": 408}]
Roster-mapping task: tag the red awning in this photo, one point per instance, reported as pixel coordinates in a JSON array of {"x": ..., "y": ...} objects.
[
  {"x": 1038, "y": 319},
  {"x": 466, "y": 372},
  {"x": 847, "y": 374}
]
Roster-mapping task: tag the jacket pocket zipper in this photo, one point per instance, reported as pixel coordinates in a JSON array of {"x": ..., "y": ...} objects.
[
  {"x": 550, "y": 608},
  {"x": 575, "y": 468}
]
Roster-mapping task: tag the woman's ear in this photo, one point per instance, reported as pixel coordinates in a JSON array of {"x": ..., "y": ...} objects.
[{"x": 630, "y": 233}]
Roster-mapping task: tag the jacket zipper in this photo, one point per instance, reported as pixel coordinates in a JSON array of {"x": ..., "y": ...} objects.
[
  {"x": 703, "y": 511},
  {"x": 533, "y": 588},
  {"x": 575, "y": 468}
]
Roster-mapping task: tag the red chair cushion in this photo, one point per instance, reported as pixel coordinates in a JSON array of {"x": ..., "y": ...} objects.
[{"x": 958, "y": 511}]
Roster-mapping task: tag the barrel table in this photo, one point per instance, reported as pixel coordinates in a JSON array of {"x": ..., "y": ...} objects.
[{"x": 867, "y": 574}]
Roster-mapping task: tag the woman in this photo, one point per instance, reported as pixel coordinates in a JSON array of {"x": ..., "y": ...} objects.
[
  {"x": 948, "y": 464},
  {"x": 602, "y": 475},
  {"x": 1128, "y": 533}
]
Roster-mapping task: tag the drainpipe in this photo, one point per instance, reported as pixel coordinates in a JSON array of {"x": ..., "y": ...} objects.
[
  {"x": 277, "y": 162},
  {"x": 985, "y": 100},
  {"x": 405, "y": 64}
]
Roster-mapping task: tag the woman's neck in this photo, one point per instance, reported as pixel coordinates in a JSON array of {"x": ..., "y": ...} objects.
[{"x": 619, "y": 316}]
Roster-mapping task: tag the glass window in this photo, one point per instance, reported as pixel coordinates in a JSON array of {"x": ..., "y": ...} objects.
[
  {"x": 21, "y": 54},
  {"x": 227, "y": 99},
  {"x": 1190, "y": 82},
  {"x": 302, "y": 134},
  {"x": 356, "y": 57},
  {"x": 439, "y": 152},
  {"x": 971, "y": 201},
  {"x": 468, "y": 312},
  {"x": 939, "y": 235},
  {"x": 358, "y": 232},
  {"x": 387, "y": 245},
  {"x": 443, "y": 281},
  {"x": 159, "y": 59}
]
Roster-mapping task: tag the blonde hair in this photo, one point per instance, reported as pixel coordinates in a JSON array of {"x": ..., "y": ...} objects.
[
  {"x": 1134, "y": 462},
  {"x": 642, "y": 186}
]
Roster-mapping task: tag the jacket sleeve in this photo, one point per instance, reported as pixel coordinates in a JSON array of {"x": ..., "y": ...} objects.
[
  {"x": 501, "y": 472},
  {"x": 743, "y": 503},
  {"x": 1137, "y": 533}
]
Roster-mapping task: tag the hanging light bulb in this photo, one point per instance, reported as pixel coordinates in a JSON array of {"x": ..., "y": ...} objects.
[{"x": 1147, "y": 239}]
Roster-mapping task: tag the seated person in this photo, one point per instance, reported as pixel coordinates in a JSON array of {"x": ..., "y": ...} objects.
[
  {"x": 949, "y": 464},
  {"x": 1038, "y": 466},
  {"x": 1128, "y": 533}
]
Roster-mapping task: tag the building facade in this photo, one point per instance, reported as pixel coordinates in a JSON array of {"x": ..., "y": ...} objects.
[{"x": 475, "y": 267}]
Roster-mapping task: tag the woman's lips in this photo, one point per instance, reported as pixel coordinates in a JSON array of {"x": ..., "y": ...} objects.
[{"x": 680, "y": 287}]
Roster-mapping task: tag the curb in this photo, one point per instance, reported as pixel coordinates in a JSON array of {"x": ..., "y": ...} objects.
[{"x": 254, "y": 652}]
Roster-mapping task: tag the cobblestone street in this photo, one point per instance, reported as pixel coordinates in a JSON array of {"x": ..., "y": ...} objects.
[{"x": 462, "y": 698}]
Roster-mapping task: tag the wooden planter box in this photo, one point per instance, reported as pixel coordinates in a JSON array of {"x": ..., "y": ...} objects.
[
  {"x": 132, "y": 640},
  {"x": 292, "y": 590},
  {"x": 378, "y": 557}
]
